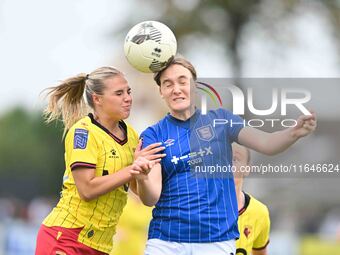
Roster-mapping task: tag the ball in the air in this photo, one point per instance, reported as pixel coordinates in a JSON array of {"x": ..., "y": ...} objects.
[{"x": 149, "y": 46}]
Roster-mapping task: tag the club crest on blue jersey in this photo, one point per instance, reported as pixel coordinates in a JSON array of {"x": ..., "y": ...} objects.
[
  {"x": 205, "y": 133},
  {"x": 80, "y": 138}
]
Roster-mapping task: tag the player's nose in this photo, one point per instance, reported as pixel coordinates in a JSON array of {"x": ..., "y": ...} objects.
[{"x": 176, "y": 89}]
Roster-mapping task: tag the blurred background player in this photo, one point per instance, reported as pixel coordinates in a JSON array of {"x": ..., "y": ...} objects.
[
  {"x": 198, "y": 215},
  {"x": 132, "y": 228},
  {"x": 253, "y": 217},
  {"x": 99, "y": 155}
]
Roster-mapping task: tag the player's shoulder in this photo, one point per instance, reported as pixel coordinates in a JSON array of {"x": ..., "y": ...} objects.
[
  {"x": 219, "y": 112},
  {"x": 257, "y": 206},
  {"x": 82, "y": 124},
  {"x": 156, "y": 128}
]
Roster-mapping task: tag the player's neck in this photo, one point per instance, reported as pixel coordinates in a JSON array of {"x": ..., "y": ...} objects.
[
  {"x": 107, "y": 122},
  {"x": 240, "y": 195},
  {"x": 183, "y": 115}
]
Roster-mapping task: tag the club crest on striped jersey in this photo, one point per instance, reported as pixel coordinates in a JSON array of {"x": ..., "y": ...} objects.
[
  {"x": 205, "y": 133},
  {"x": 80, "y": 138}
]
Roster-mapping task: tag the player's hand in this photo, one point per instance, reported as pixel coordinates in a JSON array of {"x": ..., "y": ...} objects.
[
  {"x": 151, "y": 152},
  {"x": 306, "y": 124},
  {"x": 141, "y": 167}
]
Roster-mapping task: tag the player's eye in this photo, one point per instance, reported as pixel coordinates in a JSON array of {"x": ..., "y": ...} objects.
[{"x": 183, "y": 82}]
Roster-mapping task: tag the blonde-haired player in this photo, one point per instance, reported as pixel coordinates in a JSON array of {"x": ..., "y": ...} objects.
[
  {"x": 99, "y": 155},
  {"x": 253, "y": 221}
]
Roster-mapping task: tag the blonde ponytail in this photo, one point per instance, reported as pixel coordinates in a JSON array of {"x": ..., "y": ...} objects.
[{"x": 66, "y": 101}]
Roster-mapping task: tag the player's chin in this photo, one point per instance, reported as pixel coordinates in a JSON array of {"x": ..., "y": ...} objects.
[
  {"x": 125, "y": 114},
  {"x": 180, "y": 107}
]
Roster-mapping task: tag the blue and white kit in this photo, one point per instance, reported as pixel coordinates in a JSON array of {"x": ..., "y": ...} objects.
[{"x": 193, "y": 208}]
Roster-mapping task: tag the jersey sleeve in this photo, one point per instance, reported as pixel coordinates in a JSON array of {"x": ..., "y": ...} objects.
[
  {"x": 148, "y": 137},
  {"x": 81, "y": 149},
  {"x": 235, "y": 124},
  {"x": 262, "y": 239}
]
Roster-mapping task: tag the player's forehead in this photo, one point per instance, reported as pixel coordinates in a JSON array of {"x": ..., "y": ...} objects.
[
  {"x": 175, "y": 72},
  {"x": 116, "y": 82}
]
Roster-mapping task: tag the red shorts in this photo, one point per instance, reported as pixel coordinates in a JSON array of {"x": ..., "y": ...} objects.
[{"x": 62, "y": 241}]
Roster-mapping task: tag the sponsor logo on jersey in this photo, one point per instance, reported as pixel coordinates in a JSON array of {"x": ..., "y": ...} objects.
[
  {"x": 169, "y": 142},
  {"x": 195, "y": 154},
  {"x": 113, "y": 154}
]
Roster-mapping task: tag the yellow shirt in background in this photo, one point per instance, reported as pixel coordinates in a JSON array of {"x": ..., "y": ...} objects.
[
  {"x": 132, "y": 229},
  {"x": 253, "y": 225}
]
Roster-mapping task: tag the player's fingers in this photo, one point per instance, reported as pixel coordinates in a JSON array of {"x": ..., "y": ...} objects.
[
  {"x": 152, "y": 163},
  {"x": 309, "y": 127},
  {"x": 305, "y": 117},
  {"x": 145, "y": 167},
  {"x": 155, "y": 156},
  {"x": 311, "y": 122},
  {"x": 136, "y": 167},
  {"x": 135, "y": 172},
  {"x": 155, "y": 161},
  {"x": 155, "y": 150},
  {"x": 152, "y": 146}
]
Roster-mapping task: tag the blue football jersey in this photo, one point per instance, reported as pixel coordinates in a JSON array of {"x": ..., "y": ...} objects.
[{"x": 196, "y": 204}]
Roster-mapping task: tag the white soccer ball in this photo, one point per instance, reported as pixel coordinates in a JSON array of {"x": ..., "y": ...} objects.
[{"x": 149, "y": 46}]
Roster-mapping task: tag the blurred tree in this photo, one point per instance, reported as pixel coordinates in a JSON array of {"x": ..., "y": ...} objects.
[
  {"x": 31, "y": 155},
  {"x": 224, "y": 21}
]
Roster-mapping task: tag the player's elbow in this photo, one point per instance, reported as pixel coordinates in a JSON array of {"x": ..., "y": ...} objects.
[
  {"x": 86, "y": 196},
  {"x": 149, "y": 201},
  {"x": 269, "y": 152}
]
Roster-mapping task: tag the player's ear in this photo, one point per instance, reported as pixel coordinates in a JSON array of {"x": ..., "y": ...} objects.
[
  {"x": 96, "y": 99},
  {"x": 160, "y": 92}
]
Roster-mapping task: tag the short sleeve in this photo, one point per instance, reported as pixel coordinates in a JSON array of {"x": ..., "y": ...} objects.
[
  {"x": 235, "y": 124},
  {"x": 81, "y": 148},
  {"x": 262, "y": 239},
  {"x": 148, "y": 137}
]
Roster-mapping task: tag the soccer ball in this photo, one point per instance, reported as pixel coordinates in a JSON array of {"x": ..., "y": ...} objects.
[{"x": 149, "y": 46}]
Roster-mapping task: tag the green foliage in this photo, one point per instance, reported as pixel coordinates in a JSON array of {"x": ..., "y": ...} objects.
[{"x": 31, "y": 155}]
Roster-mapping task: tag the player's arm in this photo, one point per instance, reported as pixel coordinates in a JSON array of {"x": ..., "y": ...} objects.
[
  {"x": 151, "y": 153},
  {"x": 273, "y": 143},
  {"x": 149, "y": 185},
  {"x": 90, "y": 186}
]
